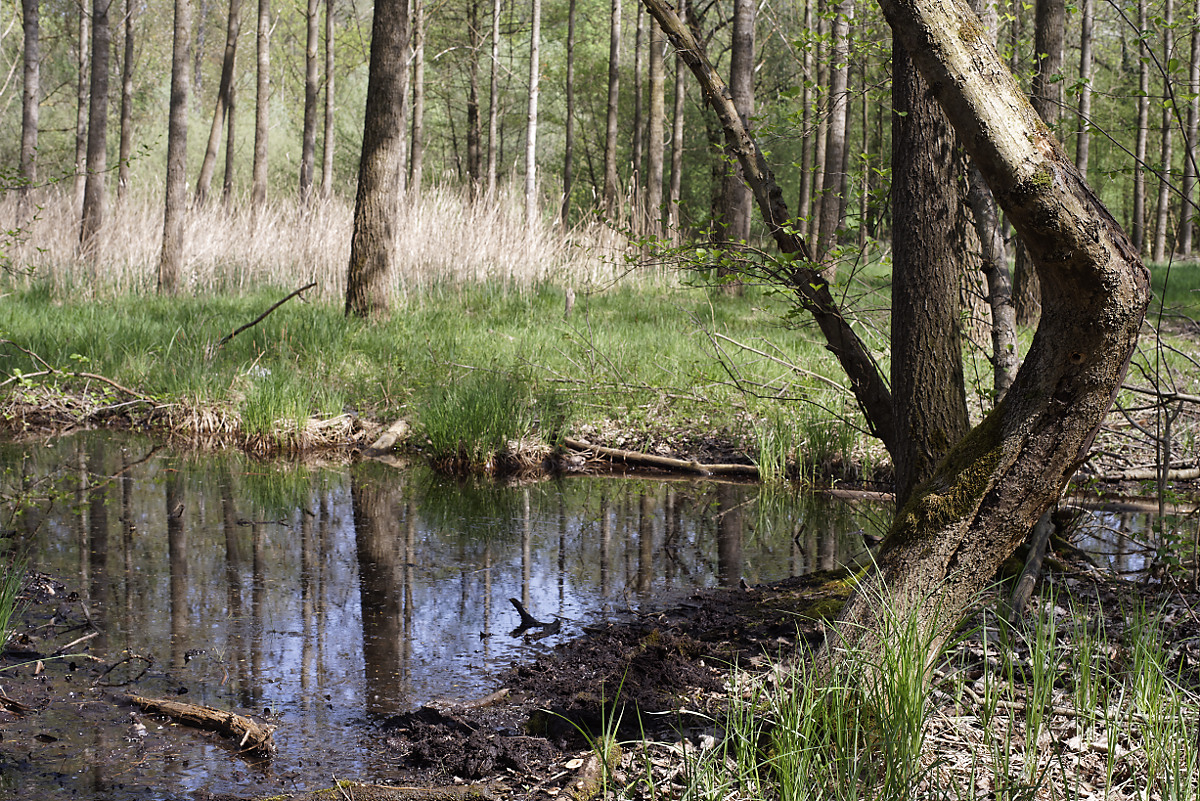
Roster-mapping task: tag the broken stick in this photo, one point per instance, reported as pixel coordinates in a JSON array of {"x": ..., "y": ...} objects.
[{"x": 251, "y": 735}]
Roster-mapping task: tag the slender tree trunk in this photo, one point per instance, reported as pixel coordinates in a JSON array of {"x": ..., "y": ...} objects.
[
  {"x": 312, "y": 94},
  {"x": 30, "y": 94},
  {"x": 97, "y": 140},
  {"x": 611, "y": 178},
  {"x": 675, "y": 192},
  {"x": 1188, "y": 218},
  {"x": 535, "y": 35},
  {"x": 258, "y": 187},
  {"x": 833, "y": 203},
  {"x": 1163, "y": 211},
  {"x": 494, "y": 102},
  {"x": 736, "y": 198},
  {"x": 377, "y": 202},
  {"x": 927, "y": 372},
  {"x": 639, "y": 122},
  {"x": 1137, "y": 228},
  {"x": 1083, "y": 138},
  {"x": 417, "y": 146},
  {"x": 230, "y": 151},
  {"x": 171, "y": 259},
  {"x": 655, "y": 133},
  {"x": 208, "y": 166},
  {"x": 81, "y": 107},
  {"x": 327, "y": 139},
  {"x": 569, "y": 133},
  {"x": 199, "y": 26},
  {"x": 822, "y": 132},
  {"x": 804, "y": 201},
  {"x": 125, "y": 148},
  {"x": 474, "y": 132}
]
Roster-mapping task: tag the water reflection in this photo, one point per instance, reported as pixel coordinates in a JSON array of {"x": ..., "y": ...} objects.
[{"x": 327, "y": 597}]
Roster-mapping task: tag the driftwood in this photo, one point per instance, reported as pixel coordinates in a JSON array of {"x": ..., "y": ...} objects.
[
  {"x": 251, "y": 735},
  {"x": 394, "y": 433},
  {"x": 637, "y": 459}
]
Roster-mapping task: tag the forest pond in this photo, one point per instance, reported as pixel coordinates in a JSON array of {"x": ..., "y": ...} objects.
[{"x": 324, "y": 599}]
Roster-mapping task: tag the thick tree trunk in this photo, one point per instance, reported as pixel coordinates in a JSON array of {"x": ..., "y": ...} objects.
[
  {"x": 125, "y": 148},
  {"x": 97, "y": 139},
  {"x": 208, "y": 166},
  {"x": 1167, "y": 128},
  {"x": 171, "y": 259},
  {"x": 312, "y": 90},
  {"x": 927, "y": 375},
  {"x": 569, "y": 133},
  {"x": 378, "y": 200},
  {"x": 611, "y": 179},
  {"x": 30, "y": 94},
  {"x": 416, "y": 155},
  {"x": 983, "y": 498},
  {"x": 535, "y": 36},
  {"x": 1083, "y": 138},
  {"x": 833, "y": 202},
  {"x": 1188, "y": 218},
  {"x": 258, "y": 187},
  {"x": 327, "y": 139},
  {"x": 655, "y": 132}
]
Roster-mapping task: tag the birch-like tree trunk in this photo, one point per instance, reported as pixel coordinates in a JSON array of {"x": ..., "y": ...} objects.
[
  {"x": 31, "y": 93},
  {"x": 233, "y": 27},
  {"x": 535, "y": 35},
  {"x": 675, "y": 192},
  {"x": 327, "y": 140},
  {"x": 262, "y": 92},
  {"x": 97, "y": 139},
  {"x": 833, "y": 202},
  {"x": 611, "y": 130},
  {"x": 1083, "y": 137},
  {"x": 170, "y": 260},
  {"x": 377, "y": 203},
  {"x": 81, "y": 105},
  {"x": 416, "y": 155}
]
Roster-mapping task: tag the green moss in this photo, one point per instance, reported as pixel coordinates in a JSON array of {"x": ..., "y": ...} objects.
[{"x": 824, "y": 609}]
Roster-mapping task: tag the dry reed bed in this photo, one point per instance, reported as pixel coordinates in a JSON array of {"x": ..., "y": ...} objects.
[{"x": 442, "y": 238}]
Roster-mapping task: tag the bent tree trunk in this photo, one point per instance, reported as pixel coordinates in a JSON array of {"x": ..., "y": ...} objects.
[{"x": 983, "y": 498}]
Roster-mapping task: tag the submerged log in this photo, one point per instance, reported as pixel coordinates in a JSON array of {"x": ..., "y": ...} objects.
[{"x": 251, "y": 735}]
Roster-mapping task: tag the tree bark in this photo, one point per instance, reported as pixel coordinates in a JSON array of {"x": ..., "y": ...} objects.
[
  {"x": 1083, "y": 138},
  {"x": 736, "y": 199},
  {"x": 569, "y": 132},
  {"x": 171, "y": 259},
  {"x": 639, "y": 132},
  {"x": 675, "y": 192},
  {"x": 30, "y": 93},
  {"x": 1167, "y": 128},
  {"x": 655, "y": 132},
  {"x": 97, "y": 139},
  {"x": 230, "y": 151},
  {"x": 984, "y": 497},
  {"x": 208, "y": 166},
  {"x": 416, "y": 154},
  {"x": 312, "y": 90},
  {"x": 474, "y": 131},
  {"x": 377, "y": 202},
  {"x": 125, "y": 148},
  {"x": 81, "y": 107},
  {"x": 804, "y": 201},
  {"x": 1188, "y": 218},
  {"x": 258, "y": 187},
  {"x": 833, "y": 202},
  {"x": 494, "y": 102},
  {"x": 327, "y": 139},
  {"x": 535, "y": 35},
  {"x": 928, "y": 391},
  {"x": 611, "y": 179},
  {"x": 1137, "y": 227}
]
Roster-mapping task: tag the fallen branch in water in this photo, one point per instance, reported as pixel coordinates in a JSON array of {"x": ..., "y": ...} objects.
[
  {"x": 662, "y": 462},
  {"x": 263, "y": 316},
  {"x": 251, "y": 735}
]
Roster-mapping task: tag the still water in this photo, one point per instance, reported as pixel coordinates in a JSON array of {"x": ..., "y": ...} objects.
[{"x": 327, "y": 598}]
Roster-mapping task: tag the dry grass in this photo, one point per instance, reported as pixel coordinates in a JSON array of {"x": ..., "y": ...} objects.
[{"x": 442, "y": 238}]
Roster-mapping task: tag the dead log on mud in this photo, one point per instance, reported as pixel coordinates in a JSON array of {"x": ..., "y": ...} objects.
[
  {"x": 251, "y": 735},
  {"x": 636, "y": 459}
]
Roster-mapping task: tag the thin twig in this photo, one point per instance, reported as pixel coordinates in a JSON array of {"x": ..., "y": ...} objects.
[{"x": 263, "y": 316}]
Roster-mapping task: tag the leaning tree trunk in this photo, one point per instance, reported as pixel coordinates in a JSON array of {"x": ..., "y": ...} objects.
[
  {"x": 947, "y": 542},
  {"x": 378, "y": 200},
  {"x": 208, "y": 166},
  {"x": 171, "y": 258}
]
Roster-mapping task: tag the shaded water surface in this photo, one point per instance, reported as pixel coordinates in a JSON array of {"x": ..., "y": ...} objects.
[{"x": 326, "y": 599}]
